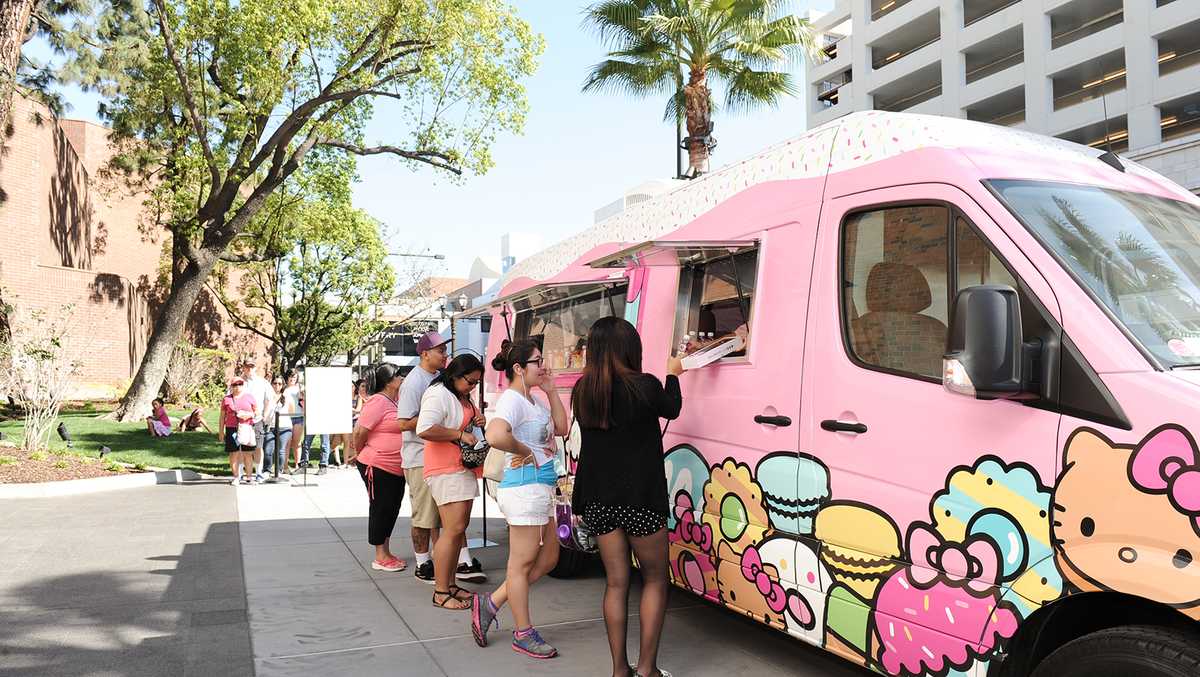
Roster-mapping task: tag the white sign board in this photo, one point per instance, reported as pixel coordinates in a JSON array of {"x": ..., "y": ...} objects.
[{"x": 327, "y": 400}]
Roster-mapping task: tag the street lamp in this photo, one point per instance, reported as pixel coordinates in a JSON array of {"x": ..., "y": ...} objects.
[{"x": 439, "y": 257}]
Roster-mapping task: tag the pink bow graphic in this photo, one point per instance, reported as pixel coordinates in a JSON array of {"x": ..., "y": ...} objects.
[
  {"x": 777, "y": 598},
  {"x": 1166, "y": 463},
  {"x": 974, "y": 562},
  {"x": 686, "y": 527}
]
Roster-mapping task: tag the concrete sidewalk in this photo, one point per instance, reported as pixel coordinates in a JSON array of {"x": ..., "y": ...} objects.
[
  {"x": 130, "y": 582},
  {"x": 316, "y": 607}
]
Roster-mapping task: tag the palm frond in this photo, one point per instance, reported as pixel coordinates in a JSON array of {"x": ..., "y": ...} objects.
[
  {"x": 750, "y": 88},
  {"x": 638, "y": 79},
  {"x": 615, "y": 22}
]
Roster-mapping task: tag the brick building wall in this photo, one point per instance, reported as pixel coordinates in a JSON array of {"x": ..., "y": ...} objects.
[{"x": 70, "y": 236}]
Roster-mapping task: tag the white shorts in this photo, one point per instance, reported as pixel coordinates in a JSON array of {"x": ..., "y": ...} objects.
[
  {"x": 453, "y": 487},
  {"x": 529, "y": 505}
]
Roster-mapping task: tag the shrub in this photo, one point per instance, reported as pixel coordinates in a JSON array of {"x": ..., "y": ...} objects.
[
  {"x": 7, "y": 460},
  {"x": 38, "y": 456},
  {"x": 62, "y": 465},
  {"x": 40, "y": 354},
  {"x": 196, "y": 375},
  {"x": 113, "y": 466}
]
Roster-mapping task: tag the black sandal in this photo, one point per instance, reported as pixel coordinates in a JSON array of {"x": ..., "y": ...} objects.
[
  {"x": 461, "y": 594},
  {"x": 446, "y": 601}
]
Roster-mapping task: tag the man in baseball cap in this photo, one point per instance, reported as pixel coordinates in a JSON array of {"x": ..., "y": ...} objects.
[
  {"x": 432, "y": 347},
  {"x": 429, "y": 341},
  {"x": 260, "y": 389}
]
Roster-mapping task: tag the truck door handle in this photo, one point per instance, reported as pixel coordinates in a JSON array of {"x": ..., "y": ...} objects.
[
  {"x": 781, "y": 421},
  {"x": 843, "y": 427}
]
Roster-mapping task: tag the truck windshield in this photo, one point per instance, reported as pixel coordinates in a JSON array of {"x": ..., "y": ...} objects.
[{"x": 1139, "y": 255}]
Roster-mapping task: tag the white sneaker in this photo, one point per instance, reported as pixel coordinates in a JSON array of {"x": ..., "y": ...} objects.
[{"x": 234, "y": 482}]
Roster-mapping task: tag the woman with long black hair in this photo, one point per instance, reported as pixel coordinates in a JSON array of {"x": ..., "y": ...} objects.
[
  {"x": 448, "y": 419},
  {"x": 378, "y": 438},
  {"x": 621, "y": 484}
]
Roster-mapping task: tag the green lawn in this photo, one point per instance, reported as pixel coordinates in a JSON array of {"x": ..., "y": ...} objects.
[{"x": 130, "y": 443}]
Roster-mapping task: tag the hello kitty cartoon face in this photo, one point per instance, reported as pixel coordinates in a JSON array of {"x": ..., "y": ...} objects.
[
  {"x": 1127, "y": 518},
  {"x": 738, "y": 586}
]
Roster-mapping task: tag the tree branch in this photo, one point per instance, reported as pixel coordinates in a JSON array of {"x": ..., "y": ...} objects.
[
  {"x": 189, "y": 100},
  {"x": 433, "y": 158}
]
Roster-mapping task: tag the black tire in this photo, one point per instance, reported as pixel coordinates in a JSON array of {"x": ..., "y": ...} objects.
[
  {"x": 1142, "y": 650},
  {"x": 570, "y": 562}
]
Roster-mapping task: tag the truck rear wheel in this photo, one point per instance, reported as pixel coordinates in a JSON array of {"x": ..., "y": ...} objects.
[
  {"x": 1143, "y": 650},
  {"x": 570, "y": 562}
]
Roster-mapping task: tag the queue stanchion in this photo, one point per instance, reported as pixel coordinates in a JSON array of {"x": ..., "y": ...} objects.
[{"x": 274, "y": 478}]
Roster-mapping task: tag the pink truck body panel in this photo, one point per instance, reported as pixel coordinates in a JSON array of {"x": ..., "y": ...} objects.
[{"x": 920, "y": 546}]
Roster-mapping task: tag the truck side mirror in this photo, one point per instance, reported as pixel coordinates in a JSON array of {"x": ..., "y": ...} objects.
[{"x": 984, "y": 349}]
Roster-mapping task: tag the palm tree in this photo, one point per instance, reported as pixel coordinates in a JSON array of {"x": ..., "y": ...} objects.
[{"x": 655, "y": 42}]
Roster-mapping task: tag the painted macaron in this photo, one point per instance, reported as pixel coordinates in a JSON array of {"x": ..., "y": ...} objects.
[
  {"x": 795, "y": 486},
  {"x": 859, "y": 545}
]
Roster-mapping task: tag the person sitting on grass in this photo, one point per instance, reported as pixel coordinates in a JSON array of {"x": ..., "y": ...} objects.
[
  {"x": 194, "y": 421},
  {"x": 158, "y": 424}
]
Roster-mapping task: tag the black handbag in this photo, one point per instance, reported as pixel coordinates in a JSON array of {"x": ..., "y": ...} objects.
[{"x": 473, "y": 457}]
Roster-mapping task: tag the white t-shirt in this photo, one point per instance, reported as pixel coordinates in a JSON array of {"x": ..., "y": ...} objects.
[
  {"x": 291, "y": 402},
  {"x": 260, "y": 389},
  {"x": 530, "y": 422},
  {"x": 282, "y": 404},
  {"x": 408, "y": 405}
]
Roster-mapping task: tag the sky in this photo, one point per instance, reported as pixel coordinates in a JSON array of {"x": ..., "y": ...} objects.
[{"x": 578, "y": 153}]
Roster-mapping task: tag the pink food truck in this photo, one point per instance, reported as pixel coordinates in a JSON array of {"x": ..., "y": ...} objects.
[{"x": 953, "y": 430}]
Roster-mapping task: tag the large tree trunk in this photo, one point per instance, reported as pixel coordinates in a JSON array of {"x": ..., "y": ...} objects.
[
  {"x": 696, "y": 107},
  {"x": 14, "y": 28},
  {"x": 186, "y": 285}
]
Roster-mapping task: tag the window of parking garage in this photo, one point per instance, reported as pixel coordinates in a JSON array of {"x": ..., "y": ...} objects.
[
  {"x": 1079, "y": 19},
  {"x": 1180, "y": 118}
]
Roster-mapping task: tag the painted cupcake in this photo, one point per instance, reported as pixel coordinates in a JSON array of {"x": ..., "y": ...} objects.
[{"x": 1009, "y": 505}]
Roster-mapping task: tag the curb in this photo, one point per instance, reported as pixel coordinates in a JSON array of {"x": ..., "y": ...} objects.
[{"x": 95, "y": 484}]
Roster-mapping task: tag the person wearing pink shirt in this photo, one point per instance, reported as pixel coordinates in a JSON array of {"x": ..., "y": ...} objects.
[
  {"x": 237, "y": 408},
  {"x": 378, "y": 437}
]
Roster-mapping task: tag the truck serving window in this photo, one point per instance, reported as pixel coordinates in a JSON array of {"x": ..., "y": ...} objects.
[
  {"x": 716, "y": 300},
  {"x": 560, "y": 325}
]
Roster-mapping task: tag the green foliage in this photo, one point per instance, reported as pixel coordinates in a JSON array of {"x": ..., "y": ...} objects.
[
  {"x": 38, "y": 456},
  {"x": 8, "y": 460},
  {"x": 221, "y": 93},
  {"x": 113, "y": 466},
  {"x": 313, "y": 299},
  {"x": 62, "y": 465},
  {"x": 216, "y": 106}
]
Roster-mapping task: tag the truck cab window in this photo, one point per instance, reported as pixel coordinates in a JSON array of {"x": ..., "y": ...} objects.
[
  {"x": 716, "y": 300},
  {"x": 562, "y": 325},
  {"x": 894, "y": 281}
]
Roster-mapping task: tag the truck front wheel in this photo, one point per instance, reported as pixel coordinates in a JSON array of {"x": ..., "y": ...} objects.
[{"x": 1143, "y": 650}]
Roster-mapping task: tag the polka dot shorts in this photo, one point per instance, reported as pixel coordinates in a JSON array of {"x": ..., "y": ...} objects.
[{"x": 637, "y": 522}]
